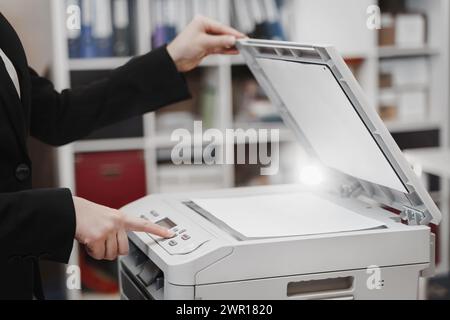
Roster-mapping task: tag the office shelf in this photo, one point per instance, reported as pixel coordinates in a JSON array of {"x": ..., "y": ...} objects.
[
  {"x": 121, "y": 144},
  {"x": 395, "y": 52},
  {"x": 285, "y": 134},
  {"x": 89, "y": 64},
  {"x": 396, "y": 126}
]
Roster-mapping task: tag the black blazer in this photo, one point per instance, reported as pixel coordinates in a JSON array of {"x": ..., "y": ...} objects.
[{"x": 40, "y": 224}]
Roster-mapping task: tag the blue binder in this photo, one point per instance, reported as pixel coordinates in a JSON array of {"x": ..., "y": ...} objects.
[
  {"x": 73, "y": 35},
  {"x": 87, "y": 44}
]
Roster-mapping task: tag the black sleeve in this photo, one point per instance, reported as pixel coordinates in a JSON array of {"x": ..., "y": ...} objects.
[
  {"x": 37, "y": 223},
  {"x": 144, "y": 84}
]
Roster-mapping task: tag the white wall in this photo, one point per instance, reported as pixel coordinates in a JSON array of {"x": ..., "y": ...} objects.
[
  {"x": 339, "y": 23},
  {"x": 31, "y": 19}
]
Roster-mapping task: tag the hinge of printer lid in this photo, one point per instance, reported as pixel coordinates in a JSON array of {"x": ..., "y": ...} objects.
[{"x": 414, "y": 216}]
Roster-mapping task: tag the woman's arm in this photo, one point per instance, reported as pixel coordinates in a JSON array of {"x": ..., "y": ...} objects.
[{"x": 144, "y": 84}]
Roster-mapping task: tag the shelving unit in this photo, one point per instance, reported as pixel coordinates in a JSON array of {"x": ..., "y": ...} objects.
[
  {"x": 340, "y": 23},
  {"x": 393, "y": 52},
  {"x": 322, "y": 21},
  {"x": 97, "y": 63}
]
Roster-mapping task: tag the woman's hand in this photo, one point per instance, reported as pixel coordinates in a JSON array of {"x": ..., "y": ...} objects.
[
  {"x": 199, "y": 39},
  {"x": 104, "y": 230}
]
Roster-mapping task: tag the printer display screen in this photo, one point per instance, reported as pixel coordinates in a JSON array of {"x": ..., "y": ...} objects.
[{"x": 166, "y": 223}]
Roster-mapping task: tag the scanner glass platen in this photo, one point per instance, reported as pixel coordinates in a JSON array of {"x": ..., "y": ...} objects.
[{"x": 284, "y": 215}]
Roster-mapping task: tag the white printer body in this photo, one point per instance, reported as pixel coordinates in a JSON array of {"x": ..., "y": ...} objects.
[{"x": 366, "y": 175}]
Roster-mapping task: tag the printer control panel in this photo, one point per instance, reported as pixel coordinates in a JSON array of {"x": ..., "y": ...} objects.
[{"x": 186, "y": 238}]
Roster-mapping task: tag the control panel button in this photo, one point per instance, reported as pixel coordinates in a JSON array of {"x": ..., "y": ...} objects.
[
  {"x": 175, "y": 229},
  {"x": 143, "y": 216},
  {"x": 185, "y": 237},
  {"x": 154, "y": 213},
  {"x": 182, "y": 231},
  {"x": 172, "y": 243}
]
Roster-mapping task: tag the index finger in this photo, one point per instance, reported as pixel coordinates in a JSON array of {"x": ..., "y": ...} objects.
[
  {"x": 215, "y": 27},
  {"x": 138, "y": 224}
]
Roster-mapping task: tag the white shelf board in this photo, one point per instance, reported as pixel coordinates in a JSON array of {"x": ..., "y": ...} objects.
[
  {"x": 395, "y": 126},
  {"x": 285, "y": 133},
  {"x": 122, "y": 144},
  {"x": 174, "y": 171},
  {"x": 433, "y": 160},
  {"x": 406, "y": 87},
  {"x": 216, "y": 60},
  {"x": 396, "y": 52},
  {"x": 237, "y": 60},
  {"x": 86, "y": 64},
  {"x": 110, "y": 63},
  {"x": 163, "y": 140}
]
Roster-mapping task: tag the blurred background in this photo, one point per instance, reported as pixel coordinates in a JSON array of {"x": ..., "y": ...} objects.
[{"x": 397, "y": 49}]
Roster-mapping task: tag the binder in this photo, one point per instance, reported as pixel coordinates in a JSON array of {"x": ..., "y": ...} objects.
[
  {"x": 208, "y": 105},
  {"x": 100, "y": 177},
  {"x": 210, "y": 9},
  {"x": 244, "y": 21},
  {"x": 87, "y": 45},
  {"x": 122, "y": 28},
  {"x": 261, "y": 28},
  {"x": 165, "y": 29},
  {"x": 183, "y": 17},
  {"x": 197, "y": 7},
  {"x": 259, "y": 18},
  {"x": 102, "y": 30},
  {"x": 74, "y": 35},
  {"x": 273, "y": 26}
]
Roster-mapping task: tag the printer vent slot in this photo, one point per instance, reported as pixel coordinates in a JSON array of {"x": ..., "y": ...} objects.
[
  {"x": 267, "y": 50},
  {"x": 306, "y": 53},
  {"x": 321, "y": 286},
  {"x": 285, "y": 52}
]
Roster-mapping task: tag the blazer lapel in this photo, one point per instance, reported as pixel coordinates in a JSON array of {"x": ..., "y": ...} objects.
[
  {"x": 17, "y": 108},
  {"x": 12, "y": 104}
]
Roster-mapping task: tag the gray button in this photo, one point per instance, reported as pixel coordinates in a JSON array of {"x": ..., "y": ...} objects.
[
  {"x": 23, "y": 172},
  {"x": 154, "y": 213},
  {"x": 144, "y": 217},
  {"x": 175, "y": 230},
  {"x": 182, "y": 231},
  {"x": 185, "y": 237},
  {"x": 172, "y": 243}
]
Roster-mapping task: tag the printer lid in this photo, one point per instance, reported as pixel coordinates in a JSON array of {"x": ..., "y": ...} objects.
[{"x": 321, "y": 101}]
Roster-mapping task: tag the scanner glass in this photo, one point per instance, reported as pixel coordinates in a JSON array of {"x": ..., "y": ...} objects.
[{"x": 282, "y": 215}]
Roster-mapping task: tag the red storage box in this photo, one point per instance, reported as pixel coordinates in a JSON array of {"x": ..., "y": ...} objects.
[{"x": 113, "y": 179}]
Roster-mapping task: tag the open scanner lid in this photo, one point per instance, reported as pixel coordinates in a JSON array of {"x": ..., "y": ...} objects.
[{"x": 321, "y": 101}]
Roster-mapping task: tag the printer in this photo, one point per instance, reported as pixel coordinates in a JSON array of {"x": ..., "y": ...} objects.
[{"x": 362, "y": 233}]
